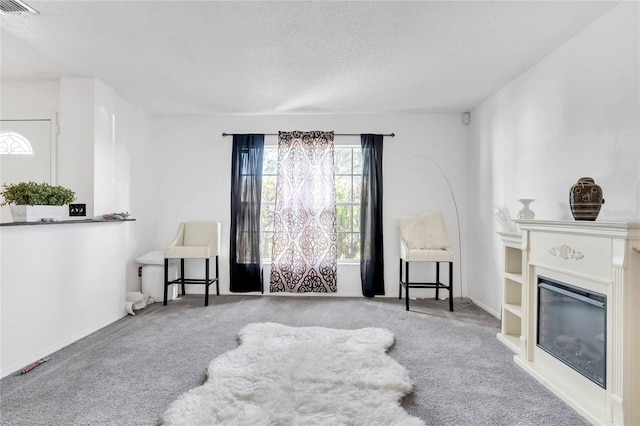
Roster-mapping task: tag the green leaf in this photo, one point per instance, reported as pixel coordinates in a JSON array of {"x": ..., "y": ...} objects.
[{"x": 36, "y": 194}]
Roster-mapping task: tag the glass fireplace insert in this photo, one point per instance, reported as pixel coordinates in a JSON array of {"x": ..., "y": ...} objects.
[{"x": 572, "y": 327}]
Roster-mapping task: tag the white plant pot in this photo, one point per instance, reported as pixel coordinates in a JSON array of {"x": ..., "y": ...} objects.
[{"x": 24, "y": 213}]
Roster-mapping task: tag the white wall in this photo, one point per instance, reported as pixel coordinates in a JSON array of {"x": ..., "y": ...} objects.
[
  {"x": 574, "y": 114},
  {"x": 59, "y": 284},
  {"x": 194, "y": 172},
  {"x": 29, "y": 96},
  {"x": 76, "y": 140},
  {"x": 135, "y": 184},
  {"x": 104, "y": 149}
]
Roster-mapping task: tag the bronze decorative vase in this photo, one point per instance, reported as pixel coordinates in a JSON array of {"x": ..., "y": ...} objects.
[{"x": 585, "y": 199}]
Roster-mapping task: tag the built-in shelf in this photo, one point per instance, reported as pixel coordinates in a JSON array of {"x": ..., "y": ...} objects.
[
  {"x": 511, "y": 324},
  {"x": 513, "y": 277},
  {"x": 65, "y": 222},
  {"x": 514, "y": 309}
]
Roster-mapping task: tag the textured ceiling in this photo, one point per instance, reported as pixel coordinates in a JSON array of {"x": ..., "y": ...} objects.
[{"x": 266, "y": 57}]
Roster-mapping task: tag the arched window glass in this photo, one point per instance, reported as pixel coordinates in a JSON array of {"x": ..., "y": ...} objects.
[{"x": 14, "y": 143}]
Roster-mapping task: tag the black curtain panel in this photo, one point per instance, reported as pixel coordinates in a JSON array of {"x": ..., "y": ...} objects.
[
  {"x": 371, "y": 248},
  {"x": 246, "y": 194}
]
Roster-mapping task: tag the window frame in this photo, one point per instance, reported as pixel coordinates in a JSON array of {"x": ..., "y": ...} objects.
[
  {"x": 267, "y": 236},
  {"x": 358, "y": 204},
  {"x": 267, "y": 146}
]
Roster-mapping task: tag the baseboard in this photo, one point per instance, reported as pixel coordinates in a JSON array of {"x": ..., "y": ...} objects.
[
  {"x": 51, "y": 349},
  {"x": 485, "y": 307}
]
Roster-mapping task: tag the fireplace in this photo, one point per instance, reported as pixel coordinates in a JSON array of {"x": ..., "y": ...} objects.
[
  {"x": 572, "y": 327},
  {"x": 579, "y": 314}
]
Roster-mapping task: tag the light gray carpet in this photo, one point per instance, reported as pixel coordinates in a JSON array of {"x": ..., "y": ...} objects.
[{"x": 129, "y": 372}]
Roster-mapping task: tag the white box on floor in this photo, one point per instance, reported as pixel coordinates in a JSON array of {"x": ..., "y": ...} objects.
[{"x": 153, "y": 282}]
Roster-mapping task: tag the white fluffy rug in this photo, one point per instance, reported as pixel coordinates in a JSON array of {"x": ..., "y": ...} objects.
[{"x": 282, "y": 375}]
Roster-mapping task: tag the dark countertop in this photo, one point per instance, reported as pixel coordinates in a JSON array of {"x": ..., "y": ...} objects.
[{"x": 65, "y": 222}]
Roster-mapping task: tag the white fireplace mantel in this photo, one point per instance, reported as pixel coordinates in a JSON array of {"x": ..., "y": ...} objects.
[{"x": 602, "y": 257}]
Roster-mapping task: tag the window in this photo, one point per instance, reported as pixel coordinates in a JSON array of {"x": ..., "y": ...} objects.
[
  {"x": 347, "y": 178},
  {"x": 348, "y": 182},
  {"x": 14, "y": 143},
  {"x": 268, "y": 206}
]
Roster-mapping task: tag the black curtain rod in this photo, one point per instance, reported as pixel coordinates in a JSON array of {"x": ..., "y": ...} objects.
[{"x": 335, "y": 134}]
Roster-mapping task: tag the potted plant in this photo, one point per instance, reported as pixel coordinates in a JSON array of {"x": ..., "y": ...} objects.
[{"x": 32, "y": 202}]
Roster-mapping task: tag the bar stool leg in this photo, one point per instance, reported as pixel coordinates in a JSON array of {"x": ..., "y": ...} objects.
[
  {"x": 182, "y": 276},
  {"x": 451, "y": 286},
  {"x": 206, "y": 282},
  {"x": 437, "y": 280},
  {"x": 406, "y": 270},
  {"x": 166, "y": 280},
  {"x": 217, "y": 278},
  {"x": 400, "y": 282}
]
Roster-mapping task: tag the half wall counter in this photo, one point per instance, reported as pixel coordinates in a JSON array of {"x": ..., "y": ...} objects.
[{"x": 58, "y": 284}]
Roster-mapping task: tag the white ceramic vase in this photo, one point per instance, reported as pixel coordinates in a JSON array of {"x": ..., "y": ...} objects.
[{"x": 526, "y": 212}]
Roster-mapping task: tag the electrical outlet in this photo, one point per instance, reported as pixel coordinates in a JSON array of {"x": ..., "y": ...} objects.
[
  {"x": 139, "y": 271},
  {"x": 77, "y": 209}
]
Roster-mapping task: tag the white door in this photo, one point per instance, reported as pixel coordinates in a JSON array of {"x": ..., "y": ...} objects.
[{"x": 18, "y": 136}]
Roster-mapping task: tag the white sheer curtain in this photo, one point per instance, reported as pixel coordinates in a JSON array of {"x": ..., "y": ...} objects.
[{"x": 304, "y": 242}]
